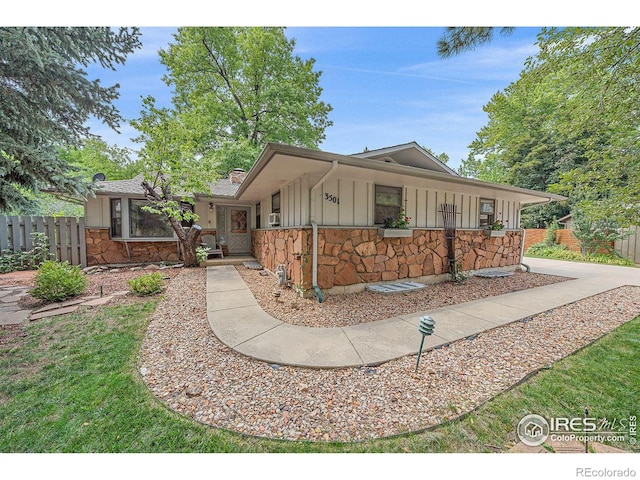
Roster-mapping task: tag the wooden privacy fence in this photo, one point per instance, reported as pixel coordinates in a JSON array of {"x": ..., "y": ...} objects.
[
  {"x": 629, "y": 247},
  {"x": 65, "y": 234}
]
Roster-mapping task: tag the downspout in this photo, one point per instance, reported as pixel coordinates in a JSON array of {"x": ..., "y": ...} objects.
[
  {"x": 523, "y": 233},
  {"x": 314, "y": 226}
]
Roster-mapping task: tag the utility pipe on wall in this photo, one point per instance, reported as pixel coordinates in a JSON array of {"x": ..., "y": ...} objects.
[{"x": 314, "y": 225}]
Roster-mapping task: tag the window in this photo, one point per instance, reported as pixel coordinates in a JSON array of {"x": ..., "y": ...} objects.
[
  {"x": 238, "y": 221},
  {"x": 146, "y": 224},
  {"x": 258, "y": 213},
  {"x": 388, "y": 203},
  {"x": 221, "y": 224},
  {"x": 487, "y": 212},
  {"x": 116, "y": 218},
  {"x": 275, "y": 203}
]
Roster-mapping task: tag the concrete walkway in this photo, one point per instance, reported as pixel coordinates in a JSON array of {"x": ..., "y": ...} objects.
[{"x": 238, "y": 321}]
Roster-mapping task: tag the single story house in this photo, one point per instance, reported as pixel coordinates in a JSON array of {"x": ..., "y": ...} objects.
[{"x": 321, "y": 215}]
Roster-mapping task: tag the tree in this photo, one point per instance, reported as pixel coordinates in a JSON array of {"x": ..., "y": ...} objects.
[
  {"x": 172, "y": 175},
  {"x": 96, "y": 156},
  {"x": 235, "y": 89},
  {"x": 569, "y": 125},
  {"x": 519, "y": 144},
  {"x": 601, "y": 72},
  {"x": 596, "y": 235},
  {"x": 47, "y": 99},
  {"x": 459, "y": 39},
  {"x": 238, "y": 88}
]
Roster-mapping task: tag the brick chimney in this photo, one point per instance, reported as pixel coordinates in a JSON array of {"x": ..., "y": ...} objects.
[{"x": 237, "y": 175}]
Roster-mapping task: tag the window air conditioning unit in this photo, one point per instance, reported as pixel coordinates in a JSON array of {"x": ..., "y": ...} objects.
[{"x": 274, "y": 219}]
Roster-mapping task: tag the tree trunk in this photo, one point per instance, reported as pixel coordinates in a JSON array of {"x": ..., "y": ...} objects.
[
  {"x": 189, "y": 245},
  {"x": 188, "y": 238}
]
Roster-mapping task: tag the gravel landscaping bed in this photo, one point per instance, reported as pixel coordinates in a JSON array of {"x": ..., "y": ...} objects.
[
  {"x": 186, "y": 367},
  {"x": 343, "y": 310}
]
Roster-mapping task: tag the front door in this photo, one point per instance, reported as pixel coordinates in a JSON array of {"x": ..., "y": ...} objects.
[{"x": 238, "y": 230}]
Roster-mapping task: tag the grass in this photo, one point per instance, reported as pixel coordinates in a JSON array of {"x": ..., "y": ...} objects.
[{"x": 70, "y": 385}]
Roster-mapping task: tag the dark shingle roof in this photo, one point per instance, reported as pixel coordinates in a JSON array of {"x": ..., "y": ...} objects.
[
  {"x": 222, "y": 187},
  {"x": 129, "y": 187}
]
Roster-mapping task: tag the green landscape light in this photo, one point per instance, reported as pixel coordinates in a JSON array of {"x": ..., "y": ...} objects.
[{"x": 425, "y": 327}]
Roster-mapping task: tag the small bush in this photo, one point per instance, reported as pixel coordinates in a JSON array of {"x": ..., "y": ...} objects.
[
  {"x": 57, "y": 281},
  {"x": 202, "y": 253},
  {"x": 148, "y": 284}
]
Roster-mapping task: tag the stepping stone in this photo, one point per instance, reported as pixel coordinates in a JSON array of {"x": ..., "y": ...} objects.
[
  {"x": 14, "y": 318},
  {"x": 400, "y": 287},
  {"x": 493, "y": 274},
  {"x": 11, "y": 299},
  {"x": 46, "y": 308},
  {"x": 53, "y": 313},
  {"x": 70, "y": 303},
  {"x": 97, "y": 301}
]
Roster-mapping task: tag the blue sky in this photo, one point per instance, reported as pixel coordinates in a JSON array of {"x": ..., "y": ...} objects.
[
  {"x": 386, "y": 84},
  {"x": 380, "y": 70}
]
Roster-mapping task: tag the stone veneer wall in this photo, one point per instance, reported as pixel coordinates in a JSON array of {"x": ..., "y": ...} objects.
[
  {"x": 350, "y": 256},
  {"x": 101, "y": 249},
  {"x": 292, "y": 246}
]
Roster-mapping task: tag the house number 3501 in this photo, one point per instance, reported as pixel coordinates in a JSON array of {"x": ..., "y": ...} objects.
[{"x": 331, "y": 198}]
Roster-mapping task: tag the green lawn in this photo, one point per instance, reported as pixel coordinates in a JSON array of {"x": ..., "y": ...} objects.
[{"x": 70, "y": 385}]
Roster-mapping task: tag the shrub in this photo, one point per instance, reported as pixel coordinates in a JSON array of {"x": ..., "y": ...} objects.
[
  {"x": 202, "y": 253},
  {"x": 14, "y": 261},
  {"x": 57, "y": 281},
  {"x": 550, "y": 237},
  {"x": 148, "y": 284}
]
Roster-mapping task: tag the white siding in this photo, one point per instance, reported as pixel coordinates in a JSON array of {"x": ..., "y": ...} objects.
[
  {"x": 348, "y": 202},
  {"x": 361, "y": 204},
  {"x": 97, "y": 212},
  {"x": 411, "y": 204}
]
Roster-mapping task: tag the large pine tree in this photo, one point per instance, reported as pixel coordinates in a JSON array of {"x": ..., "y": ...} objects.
[{"x": 46, "y": 99}]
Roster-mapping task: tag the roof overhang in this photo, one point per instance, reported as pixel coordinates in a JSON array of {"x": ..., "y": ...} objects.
[{"x": 280, "y": 164}]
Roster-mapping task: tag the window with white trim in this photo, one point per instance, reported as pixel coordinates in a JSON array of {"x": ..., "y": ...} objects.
[
  {"x": 487, "y": 212},
  {"x": 388, "y": 203}
]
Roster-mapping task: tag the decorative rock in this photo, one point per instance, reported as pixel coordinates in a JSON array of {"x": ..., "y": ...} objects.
[{"x": 193, "y": 391}]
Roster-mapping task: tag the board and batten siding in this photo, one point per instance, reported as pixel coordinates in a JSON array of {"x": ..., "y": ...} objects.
[
  {"x": 294, "y": 203},
  {"x": 349, "y": 202}
]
